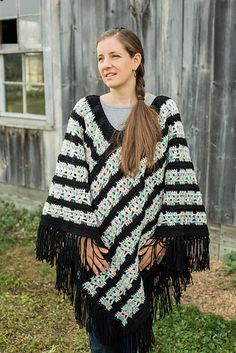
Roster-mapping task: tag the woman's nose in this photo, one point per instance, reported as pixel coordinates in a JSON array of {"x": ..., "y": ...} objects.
[{"x": 106, "y": 63}]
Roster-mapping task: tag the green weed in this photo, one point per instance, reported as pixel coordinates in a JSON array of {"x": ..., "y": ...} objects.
[
  {"x": 230, "y": 261},
  {"x": 227, "y": 278},
  {"x": 17, "y": 224},
  {"x": 186, "y": 330}
]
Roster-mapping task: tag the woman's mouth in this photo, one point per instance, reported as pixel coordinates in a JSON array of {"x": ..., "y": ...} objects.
[{"x": 110, "y": 75}]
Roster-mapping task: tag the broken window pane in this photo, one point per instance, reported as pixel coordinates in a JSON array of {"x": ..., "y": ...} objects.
[
  {"x": 13, "y": 67},
  {"x": 29, "y": 7},
  {"x": 34, "y": 67},
  {"x": 29, "y": 31},
  {"x": 35, "y": 99},
  {"x": 8, "y": 31},
  {"x": 14, "y": 98}
]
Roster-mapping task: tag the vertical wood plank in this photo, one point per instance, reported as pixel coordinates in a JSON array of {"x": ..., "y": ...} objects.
[
  {"x": 22, "y": 157},
  {"x": 196, "y": 82},
  {"x": 222, "y": 171}
]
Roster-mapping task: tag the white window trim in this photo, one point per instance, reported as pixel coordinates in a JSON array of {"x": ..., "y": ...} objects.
[{"x": 34, "y": 121}]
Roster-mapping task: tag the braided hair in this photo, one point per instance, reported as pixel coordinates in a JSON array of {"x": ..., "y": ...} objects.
[{"x": 142, "y": 131}]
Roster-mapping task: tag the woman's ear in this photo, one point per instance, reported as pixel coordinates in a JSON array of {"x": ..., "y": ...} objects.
[{"x": 137, "y": 58}]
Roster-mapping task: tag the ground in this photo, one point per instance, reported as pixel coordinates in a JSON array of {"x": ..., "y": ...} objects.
[{"x": 212, "y": 291}]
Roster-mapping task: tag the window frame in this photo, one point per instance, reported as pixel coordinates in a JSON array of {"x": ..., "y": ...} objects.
[{"x": 26, "y": 120}]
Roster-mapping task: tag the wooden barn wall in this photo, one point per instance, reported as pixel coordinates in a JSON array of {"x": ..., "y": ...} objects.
[
  {"x": 190, "y": 52},
  {"x": 21, "y": 157}
]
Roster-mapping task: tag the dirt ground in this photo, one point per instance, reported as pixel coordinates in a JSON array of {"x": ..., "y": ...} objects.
[{"x": 212, "y": 291}]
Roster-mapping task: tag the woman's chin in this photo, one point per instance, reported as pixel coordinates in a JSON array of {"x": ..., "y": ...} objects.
[{"x": 113, "y": 84}]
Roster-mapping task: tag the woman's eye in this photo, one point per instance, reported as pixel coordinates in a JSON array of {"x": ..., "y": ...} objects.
[{"x": 113, "y": 56}]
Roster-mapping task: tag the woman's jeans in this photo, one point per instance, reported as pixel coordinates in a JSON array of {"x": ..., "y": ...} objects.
[{"x": 97, "y": 347}]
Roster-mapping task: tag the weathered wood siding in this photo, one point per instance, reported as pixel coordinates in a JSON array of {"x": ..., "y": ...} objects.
[
  {"x": 190, "y": 53},
  {"x": 21, "y": 157}
]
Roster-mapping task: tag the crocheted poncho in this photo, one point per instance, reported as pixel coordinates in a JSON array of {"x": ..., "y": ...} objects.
[{"x": 90, "y": 196}]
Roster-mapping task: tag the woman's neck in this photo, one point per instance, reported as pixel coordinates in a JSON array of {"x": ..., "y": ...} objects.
[{"x": 118, "y": 98}]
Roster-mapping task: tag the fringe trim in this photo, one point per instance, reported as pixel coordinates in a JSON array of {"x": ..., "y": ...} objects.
[
  {"x": 109, "y": 331},
  {"x": 64, "y": 249},
  {"x": 163, "y": 283}
]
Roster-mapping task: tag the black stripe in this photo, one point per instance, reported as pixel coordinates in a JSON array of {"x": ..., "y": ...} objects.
[
  {"x": 111, "y": 281},
  {"x": 182, "y": 187},
  {"x": 180, "y": 165},
  {"x": 177, "y": 187},
  {"x": 70, "y": 204},
  {"x": 165, "y": 130},
  {"x": 157, "y": 189},
  {"x": 71, "y": 182},
  {"x": 89, "y": 143},
  {"x": 78, "y": 118},
  {"x": 173, "y": 118},
  {"x": 75, "y": 161},
  {"x": 135, "y": 286},
  {"x": 102, "y": 193},
  {"x": 121, "y": 204},
  {"x": 176, "y": 141},
  {"x": 159, "y": 163},
  {"x": 99, "y": 116},
  {"x": 187, "y": 230},
  {"x": 179, "y": 208},
  {"x": 62, "y": 225},
  {"x": 126, "y": 232},
  {"x": 73, "y": 138},
  {"x": 101, "y": 162},
  {"x": 158, "y": 102},
  {"x": 97, "y": 168},
  {"x": 151, "y": 224}
]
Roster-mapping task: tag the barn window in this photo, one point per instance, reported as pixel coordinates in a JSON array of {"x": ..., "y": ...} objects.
[
  {"x": 24, "y": 87},
  {"x": 24, "y": 58}
]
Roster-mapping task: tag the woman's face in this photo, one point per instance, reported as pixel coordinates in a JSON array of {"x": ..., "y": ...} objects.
[{"x": 115, "y": 64}]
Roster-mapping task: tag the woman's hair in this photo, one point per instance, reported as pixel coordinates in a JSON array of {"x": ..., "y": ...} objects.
[{"x": 142, "y": 130}]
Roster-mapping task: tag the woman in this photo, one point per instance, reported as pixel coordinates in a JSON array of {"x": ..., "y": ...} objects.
[{"x": 124, "y": 220}]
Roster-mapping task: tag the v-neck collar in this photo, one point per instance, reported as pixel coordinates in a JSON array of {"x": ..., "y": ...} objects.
[{"x": 102, "y": 120}]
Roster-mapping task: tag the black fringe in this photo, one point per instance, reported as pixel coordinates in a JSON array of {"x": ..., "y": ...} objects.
[
  {"x": 164, "y": 283},
  {"x": 110, "y": 332}
]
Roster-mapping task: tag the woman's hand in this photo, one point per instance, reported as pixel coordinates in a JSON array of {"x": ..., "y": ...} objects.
[
  {"x": 91, "y": 255},
  {"x": 151, "y": 252}
]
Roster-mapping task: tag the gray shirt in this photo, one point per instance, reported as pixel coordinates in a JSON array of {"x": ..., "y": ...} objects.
[{"x": 118, "y": 115}]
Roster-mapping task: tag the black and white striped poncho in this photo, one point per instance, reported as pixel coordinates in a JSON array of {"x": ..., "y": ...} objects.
[{"x": 90, "y": 196}]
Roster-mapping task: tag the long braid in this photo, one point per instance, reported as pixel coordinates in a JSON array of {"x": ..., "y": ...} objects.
[{"x": 140, "y": 83}]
